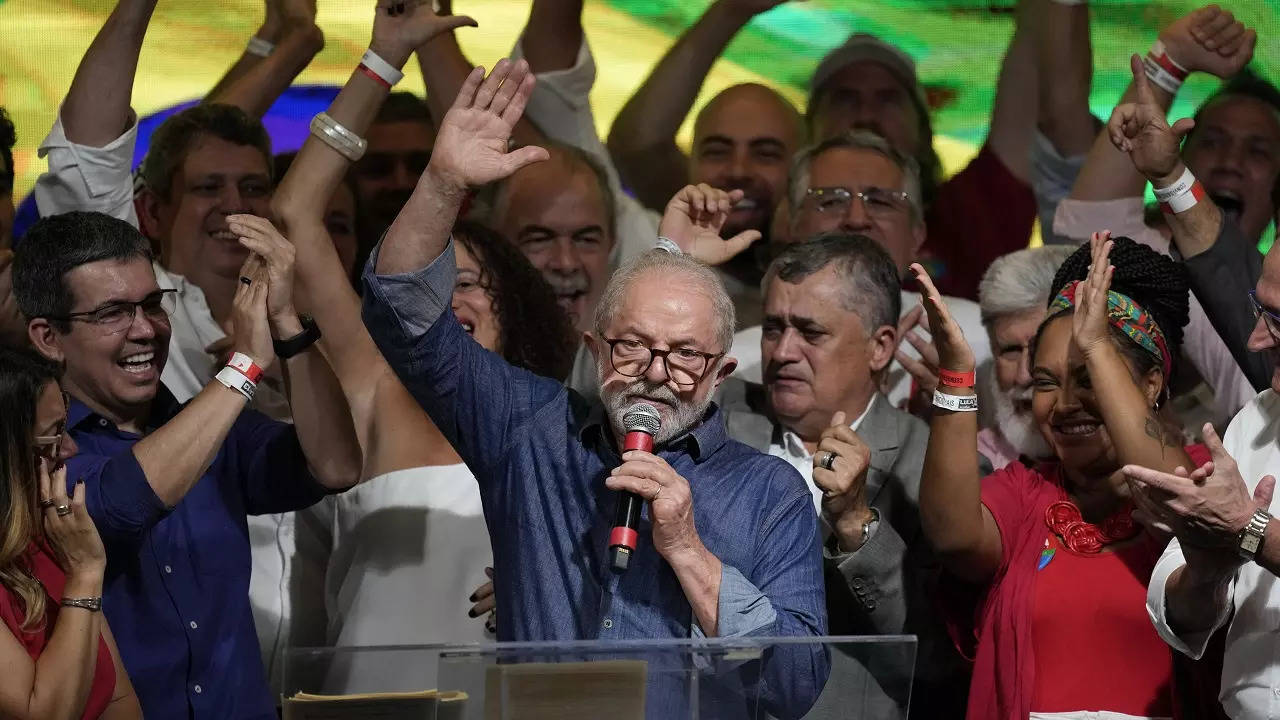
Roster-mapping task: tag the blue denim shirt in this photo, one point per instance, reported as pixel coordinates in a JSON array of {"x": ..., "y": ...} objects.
[
  {"x": 541, "y": 454},
  {"x": 177, "y": 586}
]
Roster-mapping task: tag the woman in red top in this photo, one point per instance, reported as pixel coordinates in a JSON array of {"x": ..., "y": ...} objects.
[
  {"x": 59, "y": 660},
  {"x": 1060, "y": 567}
]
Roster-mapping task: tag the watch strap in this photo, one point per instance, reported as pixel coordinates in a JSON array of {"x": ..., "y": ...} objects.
[
  {"x": 1252, "y": 534},
  {"x": 289, "y": 347}
]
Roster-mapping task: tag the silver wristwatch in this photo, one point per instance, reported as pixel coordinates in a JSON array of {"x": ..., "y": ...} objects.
[{"x": 1252, "y": 534}]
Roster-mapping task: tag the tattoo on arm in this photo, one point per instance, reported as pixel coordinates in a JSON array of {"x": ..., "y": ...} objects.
[{"x": 1157, "y": 431}]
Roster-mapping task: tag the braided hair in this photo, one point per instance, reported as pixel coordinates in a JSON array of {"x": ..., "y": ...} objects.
[{"x": 1151, "y": 279}]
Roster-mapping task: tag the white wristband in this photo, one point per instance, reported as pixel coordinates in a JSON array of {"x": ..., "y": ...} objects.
[
  {"x": 666, "y": 244},
  {"x": 237, "y": 381},
  {"x": 1163, "y": 70},
  {"x": 955, "y": 403},
  {"x": 1180, "y": 196},
  {"x": 261, "y": 48},
  {"x": 383, "y": 69}
]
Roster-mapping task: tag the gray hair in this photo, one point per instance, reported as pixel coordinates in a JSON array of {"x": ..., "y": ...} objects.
[
  {"x": 856, "y": 140},
  {"x": 1020, "y": 281},
  {"x": 871, "y": 286},
  {"x": 667, "y": 265}
]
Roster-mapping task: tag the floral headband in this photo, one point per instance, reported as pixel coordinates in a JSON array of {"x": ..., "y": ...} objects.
[{"x": 1127, "y": 316}]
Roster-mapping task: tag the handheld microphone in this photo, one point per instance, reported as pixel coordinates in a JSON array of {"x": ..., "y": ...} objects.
[{"x": 641, "y": 422}]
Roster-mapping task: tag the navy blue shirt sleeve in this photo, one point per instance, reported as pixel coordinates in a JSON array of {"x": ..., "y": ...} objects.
[
  {"x": 272, "y": 471},
  {"x": 474, "y": 396},
  {"x": 117, "y": 495}
]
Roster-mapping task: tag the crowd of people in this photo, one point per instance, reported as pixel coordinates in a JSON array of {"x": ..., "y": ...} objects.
[{"x": 375, "y": 392}]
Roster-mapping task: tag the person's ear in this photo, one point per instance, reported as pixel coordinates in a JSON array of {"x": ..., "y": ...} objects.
[
  {"x": 45, "y": 339},
  {"x": 880, "y": 347},
  {"x": 1151, "y": 384},
  {"x": 593, "y": 344},
  {"x": 727, "y": 366},
  {"x": 148, "y": 206}
]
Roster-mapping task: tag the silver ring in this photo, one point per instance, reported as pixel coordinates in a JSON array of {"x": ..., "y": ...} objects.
[
  {"x": 828, "y": 461},
  {"x": 62, "y": 510}
]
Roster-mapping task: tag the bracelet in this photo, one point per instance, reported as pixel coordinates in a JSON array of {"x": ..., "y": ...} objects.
[
  {"x": 951, "y": 378},
  {"x": 246, "y": 366},
  {"x": 237, "y": 381},
  {"x": 955, "y": 403},
  {"x": 1163, "y": 70},
  {"x": 666, "y": 244},
  {"x": 92, "y": 604},
  {"x": 380, "y": 70},
  {"x": 337, "y": 136},
  {"x": 1180, "y": 196},
  {"x": 261, "y": 48},
  {"x": 866, "y": 527}
]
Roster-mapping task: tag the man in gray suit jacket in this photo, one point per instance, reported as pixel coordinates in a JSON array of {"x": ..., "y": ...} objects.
[{"x": 829, "y": 331}]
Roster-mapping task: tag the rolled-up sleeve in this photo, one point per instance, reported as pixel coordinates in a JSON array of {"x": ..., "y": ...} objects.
[
  {"x": 406, "y": 305},
  {"x": 743, "y": 609},
  {"x": 1191, "y": 645},
  {"x": 271, "y": 468},
  {"x": 118, "y": 496},
  {"x": 81, "y": 177}
]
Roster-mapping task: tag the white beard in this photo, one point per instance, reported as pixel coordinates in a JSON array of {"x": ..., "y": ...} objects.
[
  {"x": 1019, "y": 429},
  {"x": 674, "y": 422}
]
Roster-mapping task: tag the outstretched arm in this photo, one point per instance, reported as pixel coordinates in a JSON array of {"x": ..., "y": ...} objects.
[
  {"x": 1209, "y": 40},
  {"x": 642, "y": 140},
  {"x": 253, "y": 84},
  {"x": 394, "y": 431},
  {"x": 96, "y": 109},
  {"x": 1013, "y": 112},
  {"x": 956, "y": 522},
  {"x": 1064, "y": 58},
  {"x": 553, "y": 35}
]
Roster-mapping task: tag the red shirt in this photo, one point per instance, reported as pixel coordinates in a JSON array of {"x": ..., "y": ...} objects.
[
  {"x": 46, "y": 570},
  {"x": 980, "y": 213}
]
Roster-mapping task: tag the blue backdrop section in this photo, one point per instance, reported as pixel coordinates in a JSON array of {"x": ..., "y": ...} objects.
[{"x": 288, "y": 122}]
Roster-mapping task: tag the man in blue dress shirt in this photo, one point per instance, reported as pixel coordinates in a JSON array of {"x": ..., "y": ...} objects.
[
  {"x": 169, "y": 485},
  {"x": 729, "y": 541}
]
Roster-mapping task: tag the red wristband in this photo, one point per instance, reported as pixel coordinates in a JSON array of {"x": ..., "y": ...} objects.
[
  {"x": 950, "y": 378},
  {"x": 376, "y": 77},
  {"x": 245, "y": 365}
]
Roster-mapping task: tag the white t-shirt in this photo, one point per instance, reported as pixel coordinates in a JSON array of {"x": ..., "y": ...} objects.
[
  {"x": 1251, "y": 669},
  {"x": 746, "y": 346}
]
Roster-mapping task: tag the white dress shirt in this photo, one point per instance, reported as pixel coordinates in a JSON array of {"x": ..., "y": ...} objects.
[
  {"x": 897, "y": 384},
  {"x": 1251, "y": 670},
  {"x": 792, "y": 450}
]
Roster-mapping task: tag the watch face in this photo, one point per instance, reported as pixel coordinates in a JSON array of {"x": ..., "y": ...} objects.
[{"x": 1250, "y": 543}]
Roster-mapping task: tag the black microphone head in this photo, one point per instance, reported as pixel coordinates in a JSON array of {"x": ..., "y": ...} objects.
[{"x": 642, "y": 417}]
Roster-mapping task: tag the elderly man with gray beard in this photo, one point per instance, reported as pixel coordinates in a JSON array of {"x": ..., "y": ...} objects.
[
  {"x": 1013, "y": 296},
  {"x": 728, "y": 538}
]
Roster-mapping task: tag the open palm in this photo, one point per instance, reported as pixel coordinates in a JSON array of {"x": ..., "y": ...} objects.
[
  {"x": 471, "y": 146},
  {"x": 693, "y": 220}
]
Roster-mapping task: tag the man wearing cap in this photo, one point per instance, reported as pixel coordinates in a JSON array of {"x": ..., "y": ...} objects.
[
  {"x": 982, "y": 212},
  {"x": 742, "y": 139}
]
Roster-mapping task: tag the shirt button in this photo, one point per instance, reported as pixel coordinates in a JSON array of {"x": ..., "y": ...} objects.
[
  {"x": 102, "y": 422},
  {"x": 608, "y": 623},
  {"x": 198, "y": 689},
  {"x": 168, "y": 570},
  {"x": 193, "y": 625},
  {"x": 857, "y": 583}
]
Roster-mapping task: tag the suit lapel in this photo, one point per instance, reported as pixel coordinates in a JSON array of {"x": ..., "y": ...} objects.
[{"x": 880, "y": 431}]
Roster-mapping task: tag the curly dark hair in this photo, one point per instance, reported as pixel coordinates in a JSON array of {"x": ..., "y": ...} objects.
[
  {"x": 1153, "y": 280},
  {"x": 534, "y": 330}
]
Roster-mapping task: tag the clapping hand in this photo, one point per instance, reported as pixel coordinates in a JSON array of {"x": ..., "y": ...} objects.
[
  {"x": 1210, "y": 40},
  {"x": 1139, "y": 128},
  {"x": 953, "y": 351},
  {"x": 277, "y": 255},
  {"x": 923, "y": 369},
  {"x": 471, "y": 146},
  {"x": 1089, "y": 326},
  {"x": 402, "y": 26},
  {"x": 693, "y": 220},
  {"x": 249, "y": 317}
]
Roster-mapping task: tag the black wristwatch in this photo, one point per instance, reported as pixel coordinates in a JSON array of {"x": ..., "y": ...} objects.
[{"x": 289, "y": 347}]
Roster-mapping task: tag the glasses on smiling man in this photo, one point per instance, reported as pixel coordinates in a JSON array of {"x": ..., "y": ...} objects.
[
  {"x": 1269, "y": 318},
  {"x": 685, "y": 366},
  {"x": 878, "y": 202},
  {"x": 117, "y": 317}
]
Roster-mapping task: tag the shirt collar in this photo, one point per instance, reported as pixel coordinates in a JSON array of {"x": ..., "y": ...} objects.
[
  {"x": 163, "y": 407},
  {"x": 700, "y": 443},
  {"x": 794, "y": 446}
]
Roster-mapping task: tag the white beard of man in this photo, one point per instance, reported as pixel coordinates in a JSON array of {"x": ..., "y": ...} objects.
[
  {"x": 1019, "y": 429},
  {"x": 682, "y": 417}
]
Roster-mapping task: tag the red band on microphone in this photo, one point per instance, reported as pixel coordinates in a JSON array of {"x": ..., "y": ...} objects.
[
  {"x": 637, "y": 441},
  {"x": 624, "y": 537},
  {"x": 949, "y": 378}
]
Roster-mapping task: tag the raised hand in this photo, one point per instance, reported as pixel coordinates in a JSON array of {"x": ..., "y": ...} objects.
[
  {"x": 844, "y": 499},
  {"x": 954, "y": 353},
  {"x": 402, "y": 26},
  {"x": 1139, "y": 128},
  {"x": 1210, "y": 40},
  {"x": 471, "y": 145},
  {"x": 249, "y": 318},
  {"x": 1089, "y": 327},
  {"x": 262, "y": 239},
  {"x": 693, "y": 220},
  {"x": 913, "y": 329}
]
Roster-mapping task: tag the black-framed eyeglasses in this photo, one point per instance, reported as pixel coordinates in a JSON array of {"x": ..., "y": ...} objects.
[
  {"x": 685, "y": 366},
  {"x": 117, "y": 317},
  {"x": 878, "y": 202},
  {"x": 1269, "y": 318}
]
